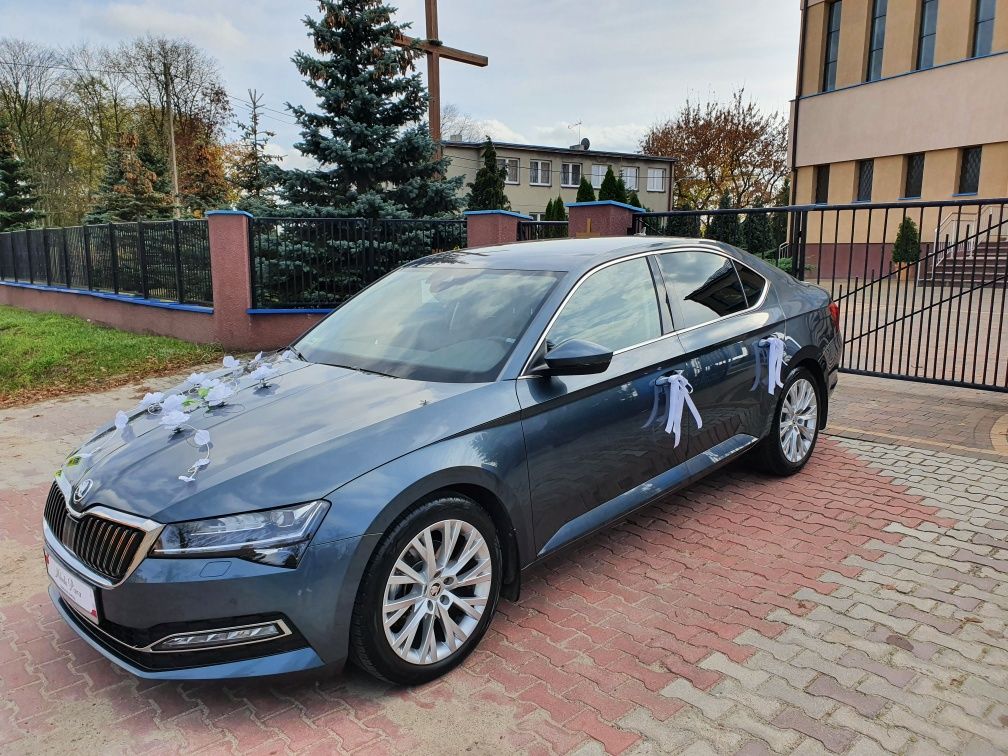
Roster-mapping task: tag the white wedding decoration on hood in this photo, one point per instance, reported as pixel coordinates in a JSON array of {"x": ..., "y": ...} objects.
[{"x": 202, "y": 390}]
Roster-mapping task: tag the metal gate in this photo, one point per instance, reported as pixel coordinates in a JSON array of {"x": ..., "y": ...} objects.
[{"x": 921, "y": 286}]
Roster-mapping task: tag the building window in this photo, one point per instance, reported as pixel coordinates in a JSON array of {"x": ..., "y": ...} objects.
[
  {"x": 928, "y": 33},
  {"x": 629, "y": 176},
  {"x": 822, "y": 185},
  {"x": 538, "y": 217},
  {"x": 877, "y": 41},
  {"x": 598, "y": 173},
  {"x": 511, "y": 164},
  {"x": 983, "y": 29},
  {"x": 865, "y": 176},
  {"x": 570, "y": 174},
  {"x": 914, "y": 176},
  {"x": 656, "y": 179},
  {"x": 539, "y": 173},
  {"x": 969, "y": 170},
  {"x": 832, "y": 47}
]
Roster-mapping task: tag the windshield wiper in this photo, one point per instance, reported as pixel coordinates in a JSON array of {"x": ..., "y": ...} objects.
[
  {"x": 359, "y": 369},
  {"x": 297, "y": 353}
]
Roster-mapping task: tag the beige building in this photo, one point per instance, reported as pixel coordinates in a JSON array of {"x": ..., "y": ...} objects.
[
  {"x": 536, "y": 175},
  {"x": 901, "y": 100}
]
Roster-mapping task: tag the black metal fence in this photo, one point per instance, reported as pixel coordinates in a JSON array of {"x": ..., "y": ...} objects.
[
  {"x": 162, "y": 260},
  {"x": 930, "y": 308},
  {"x": 536, "y": 230},
  {"x": 320, "y": 262}
]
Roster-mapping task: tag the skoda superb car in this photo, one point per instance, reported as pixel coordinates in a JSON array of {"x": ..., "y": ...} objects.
[{"x": 371, "y": 495}]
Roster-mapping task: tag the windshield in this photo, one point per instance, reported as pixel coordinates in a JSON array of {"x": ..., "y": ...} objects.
[{"x": 449, "y": 324}]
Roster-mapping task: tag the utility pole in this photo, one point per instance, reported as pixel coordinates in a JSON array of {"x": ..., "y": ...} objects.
[{"x": 170, "y": 105}]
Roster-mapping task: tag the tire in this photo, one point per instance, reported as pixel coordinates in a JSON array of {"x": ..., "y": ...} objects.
[
  {"x": 785, "y": 454},
  {"x": 428, "y": 607}
]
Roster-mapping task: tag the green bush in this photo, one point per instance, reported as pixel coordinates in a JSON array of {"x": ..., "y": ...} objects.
[{"x": 906, "y": 250}]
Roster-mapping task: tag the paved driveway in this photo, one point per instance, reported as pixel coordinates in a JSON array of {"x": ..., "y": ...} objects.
[{"x": 857, "y": 608}]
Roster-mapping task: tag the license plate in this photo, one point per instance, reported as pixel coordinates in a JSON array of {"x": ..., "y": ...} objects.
[{"x": 74, "y": 590}]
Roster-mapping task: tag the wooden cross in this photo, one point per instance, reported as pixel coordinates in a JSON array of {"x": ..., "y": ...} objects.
[{"x": 436, "y": 50}]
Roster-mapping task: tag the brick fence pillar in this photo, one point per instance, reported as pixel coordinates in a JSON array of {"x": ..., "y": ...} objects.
[
  {"x": 603, "y": 218},
  {"x": 485, "y": 228},
  {"x": 230, "y": 268}
]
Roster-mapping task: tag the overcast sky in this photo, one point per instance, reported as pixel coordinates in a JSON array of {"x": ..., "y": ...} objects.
[{"x": 615, "y": 66}]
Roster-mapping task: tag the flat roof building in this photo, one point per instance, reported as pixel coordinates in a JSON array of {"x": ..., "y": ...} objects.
[{"x": 537, "y": 174}]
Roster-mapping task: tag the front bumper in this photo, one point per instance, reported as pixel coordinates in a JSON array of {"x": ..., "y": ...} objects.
[{"x": 165, "y": 597}]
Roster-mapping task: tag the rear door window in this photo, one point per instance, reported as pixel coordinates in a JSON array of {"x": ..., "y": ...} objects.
[
  {"x": 703, "y": 286},
  {"x": 752, "y": 284}
]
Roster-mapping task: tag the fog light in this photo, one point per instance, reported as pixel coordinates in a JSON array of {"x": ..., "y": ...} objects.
[{"x": 232, "y": 636}]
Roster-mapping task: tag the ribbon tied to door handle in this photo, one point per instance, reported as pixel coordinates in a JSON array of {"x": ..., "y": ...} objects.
[
  {"x": 675, "y": 390},
  {"x": 774, "y": 347}
]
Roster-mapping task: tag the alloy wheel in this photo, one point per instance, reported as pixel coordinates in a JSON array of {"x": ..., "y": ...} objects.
[
  {"x": 437, "y": 592},
  {"x": 798, "y": 420}
]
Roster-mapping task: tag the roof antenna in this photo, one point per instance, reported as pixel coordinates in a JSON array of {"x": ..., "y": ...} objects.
[{"x": 578, "y": 127}]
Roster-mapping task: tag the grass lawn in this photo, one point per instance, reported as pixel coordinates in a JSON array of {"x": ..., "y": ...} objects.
[{"x": 44, "y": 355}]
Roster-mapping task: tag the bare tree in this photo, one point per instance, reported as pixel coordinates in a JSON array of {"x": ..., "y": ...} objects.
[
  {"x": 732, "y": 148},
  {"x": 458, "y": 125}
]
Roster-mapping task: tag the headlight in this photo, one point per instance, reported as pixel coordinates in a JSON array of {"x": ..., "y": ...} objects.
[{"x": 272, "y": 536}]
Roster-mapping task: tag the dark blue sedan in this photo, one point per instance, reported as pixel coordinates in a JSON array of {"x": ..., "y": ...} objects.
[{"x": 370, "y": 493}]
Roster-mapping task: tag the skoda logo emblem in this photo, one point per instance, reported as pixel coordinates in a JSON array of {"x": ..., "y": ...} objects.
[{"x": 82, "y": 490}]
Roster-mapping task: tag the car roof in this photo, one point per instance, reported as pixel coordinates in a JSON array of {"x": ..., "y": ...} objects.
[{"x": 563, "y": 255}]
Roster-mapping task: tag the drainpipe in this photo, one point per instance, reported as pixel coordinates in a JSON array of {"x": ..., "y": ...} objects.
[{"x": 797, "y": 103}]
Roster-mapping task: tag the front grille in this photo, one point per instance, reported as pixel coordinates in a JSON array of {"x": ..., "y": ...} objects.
[{"x": 105, "y": 546}]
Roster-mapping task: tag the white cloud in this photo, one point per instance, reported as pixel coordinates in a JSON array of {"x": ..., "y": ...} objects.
[{"x": 208, "y": 29}]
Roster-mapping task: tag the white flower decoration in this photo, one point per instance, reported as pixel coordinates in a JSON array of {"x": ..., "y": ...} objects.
[
  {"x": 257, "y": 359},
  {"x": 217, "y": 395},
  {"x": 202, "y": 438},
  {"x": 288, "y": 356},
  {"x": 263, "y": 373},
  {"x": 172, "y": 420},
  {"x": 150, "y": 400},
  {"x": 121, "y": 420},
  {"x": 172, "y": 403},
  {"x": 196, "y": 378},
  {"x": 231, "y": 363}
]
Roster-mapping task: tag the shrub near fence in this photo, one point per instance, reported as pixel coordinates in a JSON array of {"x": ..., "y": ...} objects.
[
  {"x": 159, "y": 260},
  {"x": 317, "y": 263}
]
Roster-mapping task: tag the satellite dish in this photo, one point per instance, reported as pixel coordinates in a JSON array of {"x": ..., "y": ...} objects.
[{"x": 585, "y": 144}]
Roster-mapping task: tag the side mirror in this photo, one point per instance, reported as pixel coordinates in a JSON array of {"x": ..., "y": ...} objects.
[{"x": 575, "y": 357}]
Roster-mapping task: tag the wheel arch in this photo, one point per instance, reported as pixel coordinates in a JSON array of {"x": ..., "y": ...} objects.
[{"x": 808, "y": 358}]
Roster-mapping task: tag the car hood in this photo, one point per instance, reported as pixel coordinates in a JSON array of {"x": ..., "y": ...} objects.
[{"x": 314, "y": 429}]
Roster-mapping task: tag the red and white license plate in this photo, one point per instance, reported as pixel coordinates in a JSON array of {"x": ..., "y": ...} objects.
[{"x": 77, "y": 592}]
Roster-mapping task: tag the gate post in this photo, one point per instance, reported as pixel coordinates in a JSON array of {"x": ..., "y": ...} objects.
[{"x": 231, "y": 276}]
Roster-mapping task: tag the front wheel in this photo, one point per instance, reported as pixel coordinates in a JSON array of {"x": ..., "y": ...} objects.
[
  {"x": 795, "y": 427},
  {"x": 429, "y": 594}
]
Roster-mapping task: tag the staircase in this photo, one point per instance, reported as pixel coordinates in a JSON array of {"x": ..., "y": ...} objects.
[{"x": 985, "y": 263}]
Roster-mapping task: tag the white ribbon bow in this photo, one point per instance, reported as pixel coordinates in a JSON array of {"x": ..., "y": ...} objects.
[
  {"x": 775, "y": 363},
  {"x": 676, "y": 390}
]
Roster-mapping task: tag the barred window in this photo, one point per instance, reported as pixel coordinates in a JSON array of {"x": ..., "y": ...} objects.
[
  {"x": 914, "y": 175},
  {"x": 866, "y": 175},
  {"x": 822, "y": 173},
  {"x": 969, "y": 170}
]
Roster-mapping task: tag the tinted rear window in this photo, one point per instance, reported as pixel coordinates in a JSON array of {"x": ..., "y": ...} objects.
[
  {"x": 752, "y": 283},
  {"x": 703, "y": 286}
]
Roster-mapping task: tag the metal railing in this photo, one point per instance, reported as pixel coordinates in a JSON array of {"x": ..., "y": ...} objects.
[
  {"x": 157, "y": 260},
  {"x": 307, "y": 263},
  {"x": 537, "y": 230},
  {"x": 939, "y": 318}
]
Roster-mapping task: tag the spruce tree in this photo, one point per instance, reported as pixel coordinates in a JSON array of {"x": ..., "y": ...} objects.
[
  {"x": 585, "y": 192},
  {"x": 906, "y": 248},
  {"x": 252, "y": 174},
  {"x": 17, "y": 196},
  {"x": 757, "y": 238},
  {"x": 486, "y": 192},
  {"x": 634, "y": 200},
  {"x": 369, "y": 135},
  {"x": 610, "y": 189},
  {"x": 131, "y": 189},
  {"x": 559, "y": 211},
  {"x": 549, "y": 212},
  {"x": 725, "y": 227}
]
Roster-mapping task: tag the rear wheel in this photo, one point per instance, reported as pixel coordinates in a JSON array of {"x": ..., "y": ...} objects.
[
  {"x": 795, "y": 427},
  {"x": 429, "y": 594}
]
